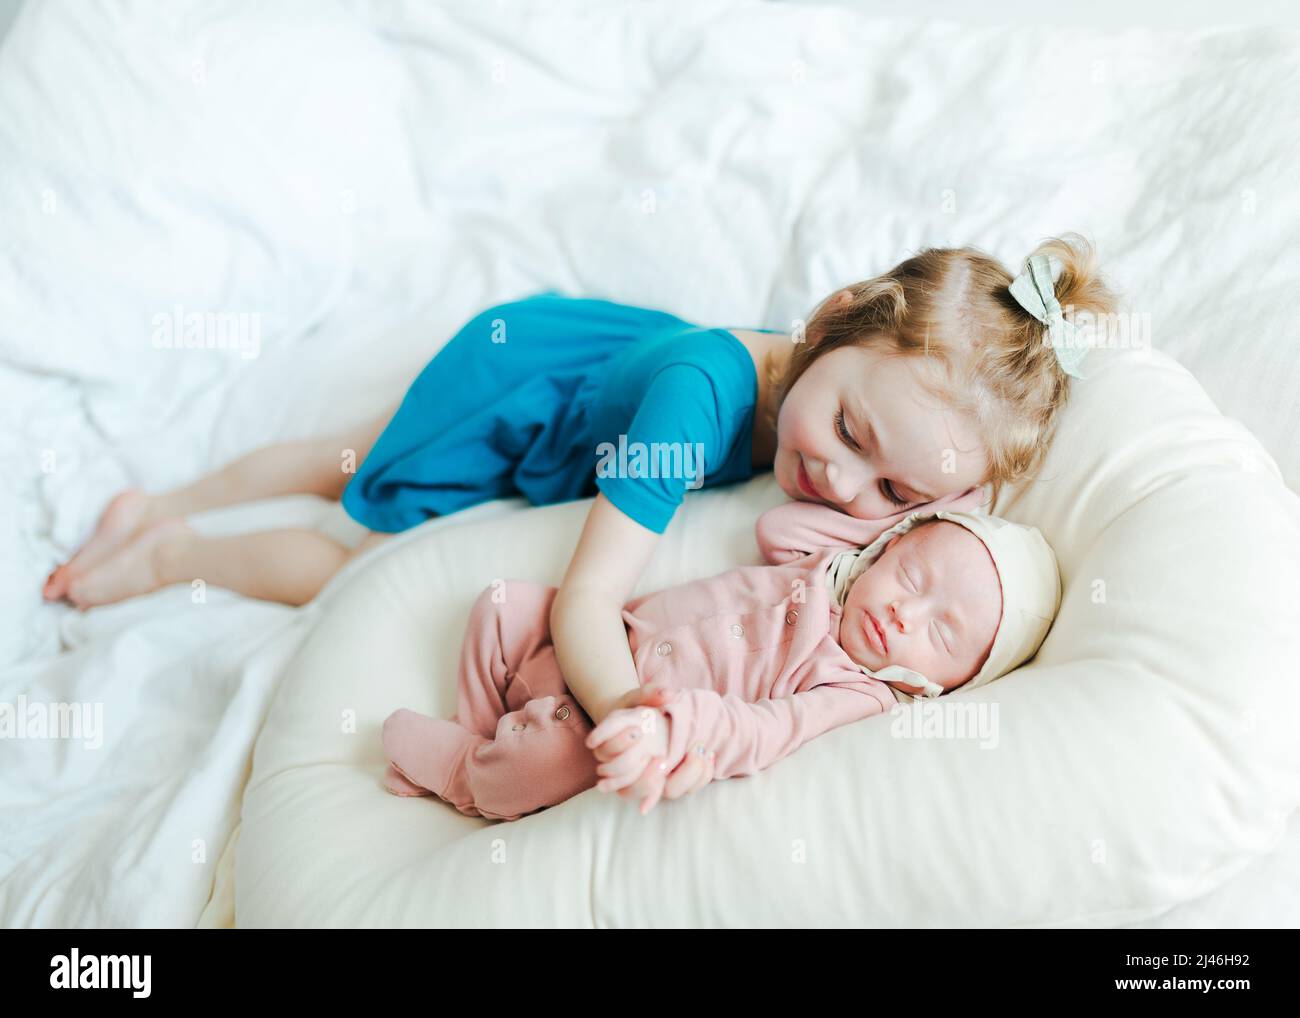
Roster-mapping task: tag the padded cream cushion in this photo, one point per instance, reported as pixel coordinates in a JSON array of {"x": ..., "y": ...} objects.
[{"x": 1142, "y": 758}]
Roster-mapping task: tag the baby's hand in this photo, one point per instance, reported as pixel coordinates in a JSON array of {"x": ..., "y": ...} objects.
[{"x": 642, "y": 735}]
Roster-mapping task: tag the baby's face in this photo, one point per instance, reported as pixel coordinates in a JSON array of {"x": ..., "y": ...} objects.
[{"x": 932, "y": 603}]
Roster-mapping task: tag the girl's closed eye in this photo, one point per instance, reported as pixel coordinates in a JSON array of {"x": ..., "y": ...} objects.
[
  {"x": 887, "y": 489},
  {"x": 842, "y": 429}
]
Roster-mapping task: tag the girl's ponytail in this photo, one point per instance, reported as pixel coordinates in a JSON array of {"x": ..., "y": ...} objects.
[{"x": 1082, "y": 295}]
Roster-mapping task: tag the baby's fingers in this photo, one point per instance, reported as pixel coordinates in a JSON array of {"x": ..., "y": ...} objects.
[
  {"x": 624, "y": 740},
  {"x": 616, "y": 721},
  {"x": 620, "y": 772}
]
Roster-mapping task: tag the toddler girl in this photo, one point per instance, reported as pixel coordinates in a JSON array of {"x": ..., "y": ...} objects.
[
  {"x": 911, "y": 390},
  {"x": 758, "y": 660}
]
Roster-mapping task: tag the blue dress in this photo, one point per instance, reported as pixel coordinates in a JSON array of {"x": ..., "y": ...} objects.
[{"x": 555, "y": 398}]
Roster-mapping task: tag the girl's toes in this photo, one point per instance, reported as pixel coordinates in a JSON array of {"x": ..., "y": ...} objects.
[
  {"x": 82, "y": 592},
  {"x": 132, "y": 571},
  {"x": 125, "y": 517},
  {"x": 100, "y": 586}
]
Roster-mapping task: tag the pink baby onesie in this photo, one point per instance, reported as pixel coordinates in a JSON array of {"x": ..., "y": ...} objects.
[{"x": 754, "y": 652}]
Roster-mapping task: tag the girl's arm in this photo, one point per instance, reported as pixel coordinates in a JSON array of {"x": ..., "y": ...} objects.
[
  {"x": 678, "y": 410},
  {"x": 587, "y": 628}
]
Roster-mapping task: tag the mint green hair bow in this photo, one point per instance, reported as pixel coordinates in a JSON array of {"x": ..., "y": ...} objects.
[{"x": 1034, "y": 291}]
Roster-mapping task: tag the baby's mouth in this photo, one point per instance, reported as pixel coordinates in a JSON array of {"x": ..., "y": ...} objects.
[{"x": 875, "y": 628}]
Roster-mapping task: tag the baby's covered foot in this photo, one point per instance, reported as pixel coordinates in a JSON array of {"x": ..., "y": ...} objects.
[
  {"x": 124, "y": 517},
  {"x": 131, "y": 571},
  {"x": 399, "y": 784},
  {"x": 427, "y": 752}
]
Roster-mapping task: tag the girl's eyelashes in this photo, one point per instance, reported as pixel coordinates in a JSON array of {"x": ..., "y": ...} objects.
[
  {"x": 887, "y": 489},
  {"x": 843, "y": 430}
]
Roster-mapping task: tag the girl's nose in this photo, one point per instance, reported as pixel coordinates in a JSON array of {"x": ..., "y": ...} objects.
[
  {"x": 898, "y": 618},
  {"x": 842, "y": 483}
]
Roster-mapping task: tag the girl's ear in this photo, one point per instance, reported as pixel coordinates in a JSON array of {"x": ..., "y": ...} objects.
[{"x": 837, "y": 301}]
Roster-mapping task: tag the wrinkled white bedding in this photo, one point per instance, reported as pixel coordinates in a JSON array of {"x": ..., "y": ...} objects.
[{"x": 364, "y": 177}]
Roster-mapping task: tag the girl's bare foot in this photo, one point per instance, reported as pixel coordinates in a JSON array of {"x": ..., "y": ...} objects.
[
  {"x": 123, "y": 518},
  {"x": 131, "y": 571}
]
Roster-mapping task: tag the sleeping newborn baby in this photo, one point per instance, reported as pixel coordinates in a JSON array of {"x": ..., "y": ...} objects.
[{"x": 760, "y": 659}]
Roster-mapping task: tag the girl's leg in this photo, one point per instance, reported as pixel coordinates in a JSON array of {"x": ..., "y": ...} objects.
[
  {"x": 289, "y": 566},
  {"x": 316, "y": 466}
]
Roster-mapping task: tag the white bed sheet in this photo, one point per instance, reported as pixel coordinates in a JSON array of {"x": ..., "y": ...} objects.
[{"x": 453, "y": 157}]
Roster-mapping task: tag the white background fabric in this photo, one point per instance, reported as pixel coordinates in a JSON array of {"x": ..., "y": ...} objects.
[{"x": 366, "y": 177}]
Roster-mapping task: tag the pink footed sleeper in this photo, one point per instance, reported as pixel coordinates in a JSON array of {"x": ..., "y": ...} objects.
[{"x": 753, "y": 652}]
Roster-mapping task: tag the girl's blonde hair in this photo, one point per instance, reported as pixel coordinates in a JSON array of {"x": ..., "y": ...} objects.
[{"x": 954, "y": 307}]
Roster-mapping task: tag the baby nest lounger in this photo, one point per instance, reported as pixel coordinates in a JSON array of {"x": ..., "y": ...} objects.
[{"x": 1141, "y": 760}]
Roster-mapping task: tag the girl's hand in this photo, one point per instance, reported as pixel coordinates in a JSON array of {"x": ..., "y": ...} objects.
[
  {"x": 693, "y": 773},
  {"x": 650, "y": 695}
]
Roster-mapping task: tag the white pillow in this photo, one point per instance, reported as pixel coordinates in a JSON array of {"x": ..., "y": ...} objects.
[{"x": 1140, "y": 760}]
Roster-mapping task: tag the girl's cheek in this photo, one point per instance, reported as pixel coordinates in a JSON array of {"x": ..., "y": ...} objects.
[{"x": 794, "y": 431}]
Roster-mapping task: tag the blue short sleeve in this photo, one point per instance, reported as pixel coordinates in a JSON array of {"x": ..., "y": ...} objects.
[{"x": 675, "y": 438}]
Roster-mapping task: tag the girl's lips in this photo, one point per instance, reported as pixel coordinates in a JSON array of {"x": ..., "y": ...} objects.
[
  {"x": 875, "y": 634},
  {"x": 805, "y": 482}
]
